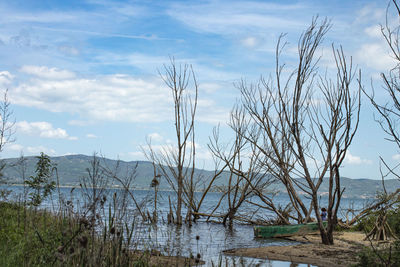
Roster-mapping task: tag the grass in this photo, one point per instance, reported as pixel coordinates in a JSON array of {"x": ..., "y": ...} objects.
[{"x": 30, "y": 237}]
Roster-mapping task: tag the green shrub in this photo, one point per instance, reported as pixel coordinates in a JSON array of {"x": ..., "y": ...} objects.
[
  {"x": 367, "y": 223},
  {"x": 394, "y": 221},
  {"x": 393, "y": 218},
  {"x": 388, "y": 256},
  {"x": 40, "y": 184}
]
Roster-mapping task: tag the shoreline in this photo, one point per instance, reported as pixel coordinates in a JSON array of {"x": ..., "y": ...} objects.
[
  {"x": 344, "y": 252},
  {"x": 281, "y": 194}
]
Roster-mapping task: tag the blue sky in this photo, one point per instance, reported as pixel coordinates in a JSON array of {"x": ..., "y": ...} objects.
[{"x": 82, "y": 75}]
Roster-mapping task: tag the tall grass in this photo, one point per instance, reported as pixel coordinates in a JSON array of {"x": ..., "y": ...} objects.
[
  {"x": 31, "y": 237},
  {"x": 99, "y": 228}
]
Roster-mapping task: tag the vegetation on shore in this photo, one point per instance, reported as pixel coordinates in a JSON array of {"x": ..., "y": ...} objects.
[
  {"x": 31, "y": 237},
  {"x": 384, "y": 252}
]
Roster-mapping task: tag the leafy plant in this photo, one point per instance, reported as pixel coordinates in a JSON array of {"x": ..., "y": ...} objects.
[
  {"x": 40, "y": 185},
  {"x": 387, "y": 256}
]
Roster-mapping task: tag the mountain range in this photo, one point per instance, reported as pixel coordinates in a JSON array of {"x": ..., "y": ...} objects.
[{"x": 73, "y": 168}]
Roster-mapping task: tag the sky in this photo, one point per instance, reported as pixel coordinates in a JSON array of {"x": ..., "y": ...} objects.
[{"x": 83, "y": 76}]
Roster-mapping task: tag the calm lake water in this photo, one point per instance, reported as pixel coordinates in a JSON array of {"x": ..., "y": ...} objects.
[{"x": 213, "y": 237}]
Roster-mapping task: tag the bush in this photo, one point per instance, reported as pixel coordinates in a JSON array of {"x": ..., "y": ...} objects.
[
  {"x": 388, "y": 256},
  {"x": 40, "y": 184},
  {"x": 394, "y": 221},
  {"x": 366, "y": 224}
]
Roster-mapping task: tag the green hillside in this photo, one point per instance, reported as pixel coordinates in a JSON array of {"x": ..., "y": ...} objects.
[{"x": 72, "y": 169}]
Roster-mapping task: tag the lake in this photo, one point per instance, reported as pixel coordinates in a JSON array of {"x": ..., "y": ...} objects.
[{"x": 206, "y": 238}]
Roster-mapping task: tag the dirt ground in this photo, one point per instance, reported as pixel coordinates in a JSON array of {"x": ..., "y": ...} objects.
[{"x": 311, "y": 251}]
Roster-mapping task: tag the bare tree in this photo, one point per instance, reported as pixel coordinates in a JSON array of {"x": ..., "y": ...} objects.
[
  {"x": 93, "y": 187},
  {"x": 125, "y": 178},
  {"x": 177, "y": 163},
  {"x": 389, "y": 112},
  {"x": 7, "y": 129},
  {"x": 242, "y": 160},
  {"x": 389, "y": 120},
  {"x": 306, "y": 123}
]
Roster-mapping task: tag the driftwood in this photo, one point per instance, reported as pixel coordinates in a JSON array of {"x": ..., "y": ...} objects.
[
  {"x": 208, "y": 215},
  {"x": 369, "y": 209},
  {"x": 381, "y": 229},
  {"x": 243, "y": 219}
]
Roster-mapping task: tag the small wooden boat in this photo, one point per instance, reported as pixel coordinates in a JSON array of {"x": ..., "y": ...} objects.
[{"x": 286, "y": 230}]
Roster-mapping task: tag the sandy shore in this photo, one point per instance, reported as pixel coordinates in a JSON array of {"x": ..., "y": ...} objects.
[{"x": 311, "y": 250}]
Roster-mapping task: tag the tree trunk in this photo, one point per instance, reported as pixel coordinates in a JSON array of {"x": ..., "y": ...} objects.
[{"x": 179, "y": 195}]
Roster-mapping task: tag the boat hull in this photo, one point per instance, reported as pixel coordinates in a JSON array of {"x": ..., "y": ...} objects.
[{"x": 274, "y": 231}]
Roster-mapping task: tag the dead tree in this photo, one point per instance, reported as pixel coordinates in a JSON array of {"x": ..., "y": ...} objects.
[
  {"x": 242, "y": 160},
  {"x": 202, "y": 185},
  {"x": 192, "y": 182},
  {"x": 177, "y": 162},
  {"x": 381, "y": 229},
  {"x": 114, "y": 174},
  {"x": 306, "y": 123},
  {"x": 389, "y": 112},
  {"x": 154, "y": 184},
  {"x": 7, "y": 129}
]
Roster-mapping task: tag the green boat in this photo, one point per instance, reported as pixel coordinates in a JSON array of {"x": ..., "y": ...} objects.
[{"x": 286, "y": 230}]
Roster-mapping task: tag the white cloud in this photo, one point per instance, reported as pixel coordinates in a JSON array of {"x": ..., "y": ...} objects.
[
  {"x": 79, "y": 123},
  {"x": 43, "y": 129},
  {"x": 37, "y": 149},
  {"x": 91, "y": 136},
  {"x": 31, "y": 150},
  {"x": 374, "y": 31},
  {"x": 115, "y": 97},
  {"x": 47, "y": 73},
  {"x": 250, "y": 42},
  {"x": 396, "y": 157},
  {"x": 69, "y": 154},
  {"x": 228, "y": 18},
  {"x": 41, "y": 17},
  {"x": 210, "y": 112},
  {"x": 137, "y": 155},
  {"x": 202, "y": 152},
  {"x": 370, "y": 13},
  {"x": 210, "y": 87},
  {"x": 69, "y": 50},
  {"x": 376, "y": 56},
  {"x": 15, "y": 147},
  {"x": 155, "y": 137},
  {"x": 356, "y": 160},
  {"x": 5, "y": 78}
]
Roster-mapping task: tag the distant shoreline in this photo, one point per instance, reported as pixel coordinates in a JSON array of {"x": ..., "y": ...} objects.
[
  {"x": 114, "y": 187},
  {"x": 362, "y": 197}
]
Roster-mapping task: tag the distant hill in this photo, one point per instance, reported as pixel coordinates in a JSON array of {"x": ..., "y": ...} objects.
[{"x": 72, "y": 168}]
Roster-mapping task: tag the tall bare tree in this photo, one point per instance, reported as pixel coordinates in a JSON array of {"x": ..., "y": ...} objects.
[
  {"x": 306, "y": 122},
  {"x": 177, "y": 162},
  {"x": 389, "y": 112},
  {"x": 7, "y": 129},
  {"x": 242, "y": 159},
  {"x": 389, "y": 120}
]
